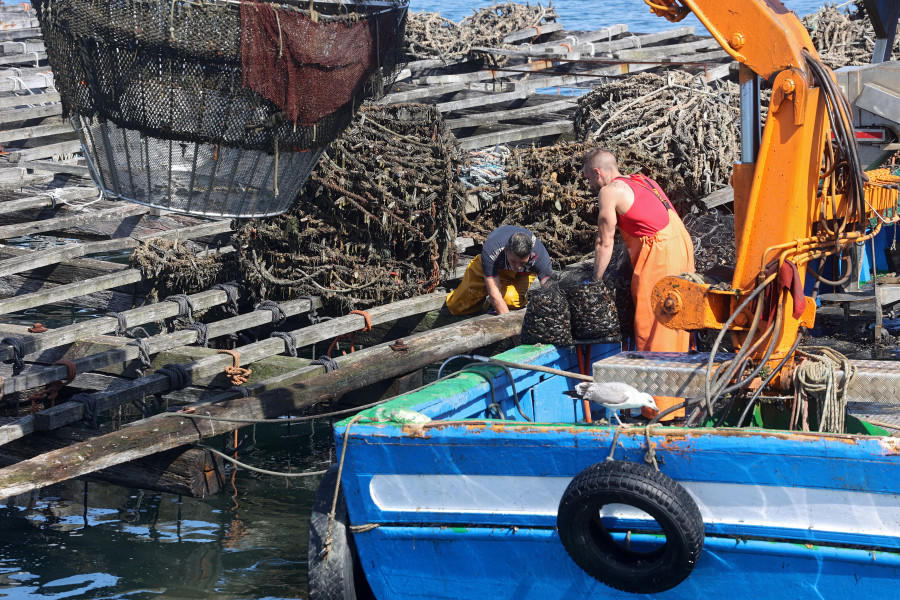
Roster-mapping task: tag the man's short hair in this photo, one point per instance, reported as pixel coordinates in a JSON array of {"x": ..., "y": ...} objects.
[
  {"x": 520, "y": 244},
  {"x": 600, "y": 158}
]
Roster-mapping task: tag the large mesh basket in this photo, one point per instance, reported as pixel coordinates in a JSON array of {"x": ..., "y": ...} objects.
[{"x": 217, "y": 108}]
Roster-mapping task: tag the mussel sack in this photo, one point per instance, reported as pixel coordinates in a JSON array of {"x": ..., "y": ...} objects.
[
  {"x": 547, "y": 316},
  {"x": 592, "y": 305}
]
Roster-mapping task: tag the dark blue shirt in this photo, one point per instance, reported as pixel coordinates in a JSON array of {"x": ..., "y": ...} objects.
[{"x": 493, "y": 253}]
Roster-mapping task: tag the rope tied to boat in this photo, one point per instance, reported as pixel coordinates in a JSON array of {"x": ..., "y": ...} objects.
[
  {"x": 51, "y": 391},
  {"x": 278, "y": 314},
  {"x": 329, "y": 536},
  {"x": 817, "y": 377},
  {"x": 235, "y": 373},
  {"x": 650, "y": 455},
  {"x": 18, "y": 357},
  {"x": 290, "y": 341},
  {"x": 231, "y": 290}
]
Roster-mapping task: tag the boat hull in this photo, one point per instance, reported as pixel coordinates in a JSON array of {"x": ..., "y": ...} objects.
[{"x": 465, "y": 507}]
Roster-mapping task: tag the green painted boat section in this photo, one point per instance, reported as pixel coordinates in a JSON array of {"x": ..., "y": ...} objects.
[{"x": 458, "y": 383}]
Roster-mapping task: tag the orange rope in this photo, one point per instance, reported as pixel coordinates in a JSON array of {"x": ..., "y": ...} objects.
[
  {"x": 52, "y": 390},
  {"x": 351, "y": 335},
  {"x": 234, "y": 373}
]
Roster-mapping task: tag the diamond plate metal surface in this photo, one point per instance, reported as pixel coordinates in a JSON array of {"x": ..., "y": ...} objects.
[{"x": 684, "y": 375}]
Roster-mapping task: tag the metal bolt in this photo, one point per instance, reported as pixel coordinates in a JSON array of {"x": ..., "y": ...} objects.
[
  {"x": 788, "y": 86},
  {"x": 736, "y": 41}
]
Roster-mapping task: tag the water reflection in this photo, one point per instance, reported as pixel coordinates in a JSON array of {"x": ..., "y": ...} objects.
[{"x": 80, "y": 541}]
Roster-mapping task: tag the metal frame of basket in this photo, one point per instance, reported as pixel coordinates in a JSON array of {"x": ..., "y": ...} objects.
[{"x": 175, "y": 112}]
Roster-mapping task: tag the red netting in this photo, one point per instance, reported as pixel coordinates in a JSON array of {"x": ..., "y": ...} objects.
[{"x": 308, "y": 68}]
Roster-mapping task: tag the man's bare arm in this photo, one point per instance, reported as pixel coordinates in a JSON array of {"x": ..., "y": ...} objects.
[
  {"x": 606, "y": 229},
  {"x": 493, "y": 289}
]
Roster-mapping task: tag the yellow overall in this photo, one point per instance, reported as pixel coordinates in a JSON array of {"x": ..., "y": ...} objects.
[{"x": 469, "y": 297}]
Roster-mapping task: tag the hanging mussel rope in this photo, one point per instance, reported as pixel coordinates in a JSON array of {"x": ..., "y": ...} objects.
[
  {"x": 376, "y": 222},
  {"x": 843, "y": 38},
  {"x": 545, "y": 192},
  {"x": 429, "y": 35},
  {"x": 216, "y": 109},
  {"x": 690, "y": 125}
]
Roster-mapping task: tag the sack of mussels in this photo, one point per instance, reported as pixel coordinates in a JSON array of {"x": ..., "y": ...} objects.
[
  {"x": 547, "y": 316},
  {"x": 601, "y": 310}
]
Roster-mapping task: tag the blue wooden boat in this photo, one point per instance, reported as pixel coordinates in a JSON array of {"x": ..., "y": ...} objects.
[{"x": 490, "y": 484}]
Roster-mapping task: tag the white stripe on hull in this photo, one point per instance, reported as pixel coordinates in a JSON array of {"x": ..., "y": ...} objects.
[{"x": 839, "y": 511}]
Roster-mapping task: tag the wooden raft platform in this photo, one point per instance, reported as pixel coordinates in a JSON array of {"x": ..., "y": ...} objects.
[{"x": 58, "y": 234}]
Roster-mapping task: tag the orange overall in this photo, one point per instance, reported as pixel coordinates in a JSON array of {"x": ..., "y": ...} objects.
[
  {"x": 669, "y": 251},
  {"x": 471, "y": 293}
]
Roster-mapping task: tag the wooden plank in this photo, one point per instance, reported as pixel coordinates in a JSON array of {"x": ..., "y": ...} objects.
[
  {"x": 68, "y": 291},
  {"x": 272, "y": 398},
  {"x": 17, "y": 59},
  {"x": 720, "y": 197},
  {"x": 23, "y": 47},
  {"x": 20, "y": 34},
  {"x": 485, "y": 74},
  {"x": 185, "y": 471},
  {"x": 532, "y": 32},
  {"x": 56, "y": 166},
  {"x": 37, "y": 131},
  {"x": 50, "y": 256},
  {"x": 47, "y": 199},
  {"x": 105, "y": 325},
  {"x": 515, "y": 113},
  {"x": 156, "y": 383},
  {"x": 488, "y": 140},
  {"x": 28, "y": 82},
  {"x": 440, "y": 90},
  {"x": 624, "y": 43},
  {"x": 17, "y": 177},
  {"x": 436, "y": 63},
  {"x": 480, "y": 100},
  {"x": 659, "y": 52},
  {"x": 15, "y": 115},
  {"x": 48, "y": 151},
  {"x": 80, "y": 218},
  {"x": 8, "y": 102},
  {"x": 160, "y": 343}
]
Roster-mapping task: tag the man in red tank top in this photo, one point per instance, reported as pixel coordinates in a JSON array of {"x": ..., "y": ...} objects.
[{"x": 657, "y": 242}]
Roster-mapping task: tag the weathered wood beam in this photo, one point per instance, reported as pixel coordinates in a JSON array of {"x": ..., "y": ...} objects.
[
  {"x": 17, "y": 59},
  {"x": 55, "y": 166},
  {"x": 58, "y": 254},
  {"x": 80, "y": 218},
  {"x": 271, "y": 399},
  {"x": 187, "y": 472},
  {"x": 633, "y": 41},
  {"x": 103, "y": 325},
  {"x": 27, "y": 133},
  {"x": 517, "y": 134},
  {"x": 661, "y": 52},
  {"x": 48, "y": 199},
  {"x": 26, "y": 100},
  {"x": 532, "y": 32},
  {"x": 60, "y": 293},
  {"x": 48, "y": 151},
  {"x": 156, "y": 383},
  {"x": 16, "y": 34},
  {"x": 127, "y": 352},
  {"x": 491, "y": 118}
]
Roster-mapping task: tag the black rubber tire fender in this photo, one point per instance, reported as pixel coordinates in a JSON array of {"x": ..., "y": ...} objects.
[
  {"x": 592, "y": 547},
  {"x": 339, "y": 575}
]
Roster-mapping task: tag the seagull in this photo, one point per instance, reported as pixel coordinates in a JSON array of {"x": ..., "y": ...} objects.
[{"x": 613, "y": 395}]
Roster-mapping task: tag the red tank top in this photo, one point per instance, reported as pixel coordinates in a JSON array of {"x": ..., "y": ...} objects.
[{"x": 650, "y": 211}]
